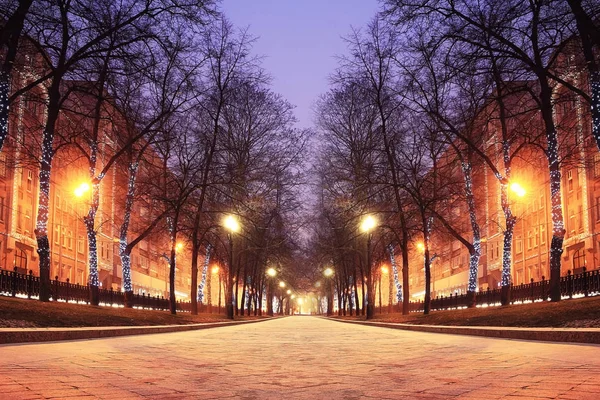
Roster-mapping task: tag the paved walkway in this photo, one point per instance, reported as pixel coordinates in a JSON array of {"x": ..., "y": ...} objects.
[{"x": 300, "y": 358}]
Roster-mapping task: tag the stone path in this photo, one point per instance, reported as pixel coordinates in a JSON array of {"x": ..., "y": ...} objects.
[{"x": 300, "y": 358}]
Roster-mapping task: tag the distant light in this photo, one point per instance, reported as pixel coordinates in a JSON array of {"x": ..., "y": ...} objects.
[
  {"x": 215, "y": 269},
  {"x": 179, "y": 246},
  {"x": 271, "y": 272},
  {"x": 518, "y": 189},
  {"x": 328, "y": 272},
  {"x": 281, "y": 284},
  {"x": 289, "y": 291},
  {"x": 231, "y": 224},
  {"x": 421, "y": 246},
  {"x": 384, "y": 269},
  {"x": 82, "y": 189},
  {"x": 368, "y": 223}
]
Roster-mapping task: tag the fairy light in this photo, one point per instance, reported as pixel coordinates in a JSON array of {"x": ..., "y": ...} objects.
[
  {"x": 475, "y": 256},
  {"x": 395, "y": 270},
  {"x": 595, "y": 106},
  {"x": 4, "y": 106},
  {"x": 204, "y": 272},
  {"x": 125, "y": 256}
]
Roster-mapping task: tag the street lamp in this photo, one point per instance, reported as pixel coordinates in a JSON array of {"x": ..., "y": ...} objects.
[
  {"x": 518, "y": 189},
  {"x": 367, "y": 225},
  {"x": 82, "y": 189},
  {"x": 233, "y": 226}
]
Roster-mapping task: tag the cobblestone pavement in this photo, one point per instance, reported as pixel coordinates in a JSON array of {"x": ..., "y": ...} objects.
[{"x": 300, "y": 358}]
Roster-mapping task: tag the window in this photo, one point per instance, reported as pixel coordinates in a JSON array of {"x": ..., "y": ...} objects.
[
  {"x": 28, "y": 221},
  {"x": 56, "y": 234},
  {"x": 572, "y": 220},
  {"x": 578, "y": 260},
  {"x": 70, "y": 237},
  {"x": 598, "y": 208},
  {"x": 21, "y": 261},
  {"x": 57, "y": 201},
  {"x": 19, "y": 218},
  {"x": 519, "y": 245},
  {"x": 529, "y": 240},
  {"x": 536, "y": 237},
  {"x": 29, "y": 181},
  {"x": 542, "y": 234},
  {"x": 80, "y": 244},
  {"x": 596, "y": 165},
  {"x": 541, "y": 201},
  {"x": 570, "y": 180},
  {"x": 580, "y": 218}
]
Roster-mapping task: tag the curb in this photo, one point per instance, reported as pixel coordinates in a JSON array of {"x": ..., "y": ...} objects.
[
  {"x": 34, "y": 335},
  {"x": 565, "y": 335}
]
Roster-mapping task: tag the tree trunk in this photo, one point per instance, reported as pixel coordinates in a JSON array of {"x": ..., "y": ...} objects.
[
  {"x": 194, "y": 291},
  {"x": 124, "y": 251},
  {"x": 11, "y": 34},
  {"x": 588, "y": 33},
  {"x": 475, "y": 252},
  {"x": 92, "y": 244},
  {"x": 41, "y": 229},
  {"x": 558, "y": 226}
]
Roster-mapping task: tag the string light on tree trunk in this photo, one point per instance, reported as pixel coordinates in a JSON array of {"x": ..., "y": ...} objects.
[
  {"x": 204, "y": 273},
  {"x": 395, "y": 270}
]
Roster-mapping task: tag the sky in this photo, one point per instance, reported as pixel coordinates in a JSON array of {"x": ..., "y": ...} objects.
[{"x": 299, "y": 40}]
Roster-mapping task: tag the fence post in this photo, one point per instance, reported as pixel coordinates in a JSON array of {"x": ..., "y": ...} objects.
[
  {"x": 489, "y": 296},
  {"x": 569, "y": 284},
  {"x": 56, "y": 288},
  {"x": 14, "y": 282},
  {"x": 111, "y": 296},
  {"x": 585, "y": 282},
  {"x": 68, "y": 287},
  {"x": 29, "y": 284},
  {"x": 531, "y": 295},
  {"x": 544, "y": 295}
]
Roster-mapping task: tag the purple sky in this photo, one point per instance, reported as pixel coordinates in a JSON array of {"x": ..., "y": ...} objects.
[{"x": 300, "y": 39}]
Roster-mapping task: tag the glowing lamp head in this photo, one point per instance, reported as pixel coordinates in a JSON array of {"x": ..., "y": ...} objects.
[
  {"x": 281, "y": 284},
  {"x": 293, "y": 296},
  {"x": 215, "y": 269},
  {"x": 384, "y": 269},
  {"x": 231, "y": 224},
  {"x": 82, "y": 189},
  {"x": 179, "y": 246},
  {"x": 300, "y": 300},
  {"x": 271, "y": 272},
  {"x": 518, "y": 189},
  {"x": 289, "y": 291},
  {"x": 368, "y": 224},
  {"x": 421, "y": 246},
  {"x": 328, "y": 272}
]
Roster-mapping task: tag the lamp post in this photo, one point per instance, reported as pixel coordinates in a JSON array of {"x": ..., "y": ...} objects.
[
  {"x": 232, "y": 225},
  {"x": 272, "y": 273},
  {"x": 329, "y": 274},
  {"x": 367, "y": 226}
]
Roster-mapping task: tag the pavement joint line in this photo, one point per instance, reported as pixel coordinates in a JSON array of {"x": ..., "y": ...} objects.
[
  {"x": 564, "y": 335},
  {"x": 36, "y": 335}
]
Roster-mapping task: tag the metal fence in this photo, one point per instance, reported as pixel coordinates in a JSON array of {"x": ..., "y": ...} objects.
[
  {"x": 15, "y": 284},
  {"x": 580, "y": 285}
]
